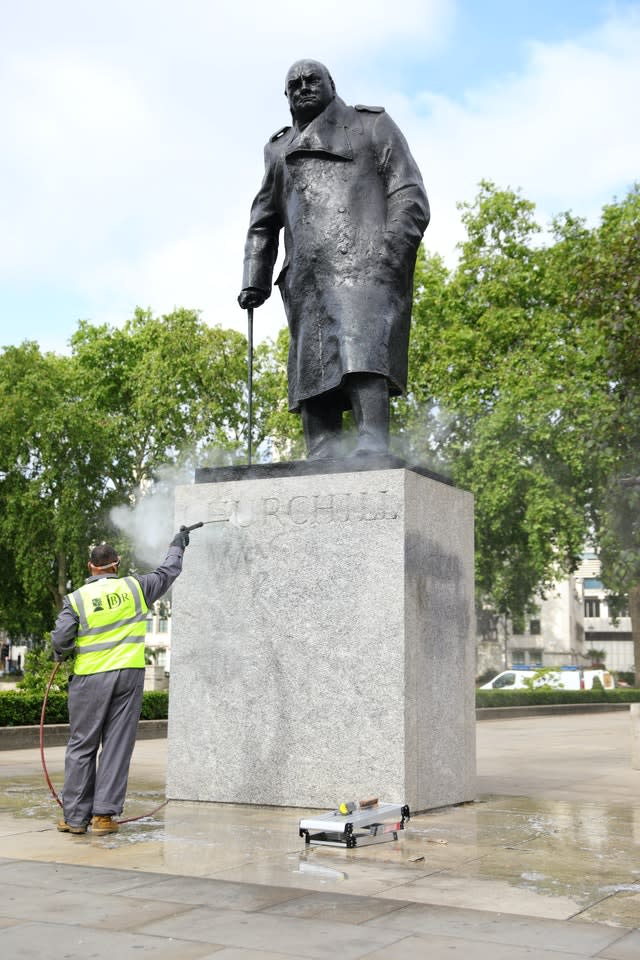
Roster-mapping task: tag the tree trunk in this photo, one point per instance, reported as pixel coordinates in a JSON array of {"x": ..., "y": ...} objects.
[
  {"x": 505, "y": 640},
  {"x": 634, "y": 612},
  {"x": 62, "y": 580}
]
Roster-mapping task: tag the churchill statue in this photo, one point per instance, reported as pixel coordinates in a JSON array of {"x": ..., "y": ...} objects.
[{"x": 342, "y": 184}]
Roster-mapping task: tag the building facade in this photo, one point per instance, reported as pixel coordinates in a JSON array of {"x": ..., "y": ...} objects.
[{"x": 573, "y": 618}]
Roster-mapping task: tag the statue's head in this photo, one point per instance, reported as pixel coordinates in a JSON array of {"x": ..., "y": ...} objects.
[{"x": 309, "y": 88}]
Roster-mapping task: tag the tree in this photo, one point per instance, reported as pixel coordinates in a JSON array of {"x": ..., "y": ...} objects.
[
  {"x": 281, "y": 429},
  {"x": 38, "y": 667},
  {"x": 171, "y": 391},
  {"x": 54, "y": 459},
  {"x": 80, "y": 434},
  {"x": 607, "y": 296},
  {"x": 516, "y": 390}
]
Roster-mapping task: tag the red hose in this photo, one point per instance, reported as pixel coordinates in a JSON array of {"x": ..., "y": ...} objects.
[{"x": 44, "y": 762}]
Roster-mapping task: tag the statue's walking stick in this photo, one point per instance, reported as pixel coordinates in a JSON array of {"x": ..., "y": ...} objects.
[{"x": 250, "y": 379}]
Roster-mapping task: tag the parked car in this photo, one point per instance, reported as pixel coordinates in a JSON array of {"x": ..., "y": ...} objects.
[{"x": 564, "y": 678}]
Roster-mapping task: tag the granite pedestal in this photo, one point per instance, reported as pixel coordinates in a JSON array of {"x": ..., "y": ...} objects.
[{"x": 323, "y": 641}]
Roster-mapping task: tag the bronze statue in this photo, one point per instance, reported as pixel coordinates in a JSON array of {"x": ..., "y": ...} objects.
[{"x": 343, "y": 185}]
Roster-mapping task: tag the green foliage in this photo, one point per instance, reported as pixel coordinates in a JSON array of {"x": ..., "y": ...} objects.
[
  {"x": 155, "y": 705},
  {"x": 53, "y": 458},
  {"x": 510, "y": 392},
  {"x": 38, "y": 668},
  {"x": 79, "y": 434},
  {"x": 20, "y": 708},
  {"x": 543, "y": 679},
  {"x": 528, "y": 698},
  {"x": 168, "y": 388},
  {"x": 596, "y": 655},
  {"x": 625, "y": 677},
  {"x": 608, "y": 296},
  {"x": 282, "y": 429}
]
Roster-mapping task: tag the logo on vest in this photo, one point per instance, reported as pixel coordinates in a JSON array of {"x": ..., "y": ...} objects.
[
  {"x": 97, "y": 604},
  {"x": 115, "y": 600}
]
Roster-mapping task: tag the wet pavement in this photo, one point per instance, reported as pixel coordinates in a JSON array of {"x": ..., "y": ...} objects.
[{"x": 546, "y": 863}]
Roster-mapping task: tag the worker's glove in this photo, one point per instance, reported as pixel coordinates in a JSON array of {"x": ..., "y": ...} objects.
[{"x": 181, "y": 538}]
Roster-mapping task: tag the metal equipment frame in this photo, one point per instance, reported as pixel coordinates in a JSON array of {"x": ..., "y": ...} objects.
[{"x": 361, "y": 828}]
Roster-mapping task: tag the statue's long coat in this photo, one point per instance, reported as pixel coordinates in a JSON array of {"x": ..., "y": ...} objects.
[{"x": 353, "y": 207}]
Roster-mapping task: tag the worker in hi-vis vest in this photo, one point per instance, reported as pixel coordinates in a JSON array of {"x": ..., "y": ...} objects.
[{"x": 103, "y": 626}]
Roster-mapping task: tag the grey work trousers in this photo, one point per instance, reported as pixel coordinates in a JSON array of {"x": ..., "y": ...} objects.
[{"x": 104, "y": 709}]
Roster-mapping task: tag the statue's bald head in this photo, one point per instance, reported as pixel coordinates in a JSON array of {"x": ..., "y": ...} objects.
[{"x": 309, "y": 88}]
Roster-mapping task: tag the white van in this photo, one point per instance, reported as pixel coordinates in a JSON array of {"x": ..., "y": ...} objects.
[{"x": 564, "y": 678}]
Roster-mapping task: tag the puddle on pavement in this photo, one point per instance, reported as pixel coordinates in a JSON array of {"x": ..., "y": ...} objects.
[{"x": 588, "y": 853}]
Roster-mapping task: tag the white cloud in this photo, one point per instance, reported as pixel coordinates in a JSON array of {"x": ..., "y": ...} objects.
[
  {"x": 72, "y": 126},
  {"x": 133, "y": 134},
  {"x": 566, "y": 131},
  {"x": 135, "y": 137}
]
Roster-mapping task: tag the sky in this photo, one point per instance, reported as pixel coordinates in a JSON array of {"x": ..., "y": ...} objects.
[{"x": 132, "y": 134}]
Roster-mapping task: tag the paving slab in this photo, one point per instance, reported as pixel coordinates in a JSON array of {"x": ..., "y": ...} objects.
[
  {"x": 544, "y": 864},
  {"x": 445, "y": 948},
  {"x": 317, "y": 939},
  {"x": 491, "y": 927},
  {"x": 218, "y": 893},
  {"x": 626, "y": 948},
  {"x": 33, "y": 941},
  {"x": 106, "y": 911}
]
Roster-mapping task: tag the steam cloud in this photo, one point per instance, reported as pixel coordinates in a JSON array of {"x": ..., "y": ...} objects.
[{"x": 148, "y": 522}]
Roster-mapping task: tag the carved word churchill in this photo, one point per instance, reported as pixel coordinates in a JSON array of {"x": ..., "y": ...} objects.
[{"x": 312, "y": 509}]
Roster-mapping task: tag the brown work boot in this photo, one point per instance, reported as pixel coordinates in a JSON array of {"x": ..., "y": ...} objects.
[
  {"x": 64, "y": 827},
  {"x": 101, "y": 825}
]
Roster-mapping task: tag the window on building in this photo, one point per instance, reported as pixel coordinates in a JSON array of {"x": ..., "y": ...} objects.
[
  {"x": 163, "y": 626},
  {"x": 618, "y": 606},
  {"x": 149, "y": 624},
  {"x": 525, "y": 657},
  {"x": 592, "y": 606},
  {"x": 535, "y": 628},
  {"x": 598, "y": 639}
]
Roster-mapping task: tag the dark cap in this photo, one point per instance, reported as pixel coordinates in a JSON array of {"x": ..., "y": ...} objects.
[{"x": 103, "y": 555}]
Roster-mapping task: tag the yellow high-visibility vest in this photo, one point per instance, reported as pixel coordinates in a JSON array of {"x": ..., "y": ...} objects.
[{"x": 112, "y": 614}]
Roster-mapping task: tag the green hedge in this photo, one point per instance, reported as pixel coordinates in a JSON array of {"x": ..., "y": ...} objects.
[
  {"x": 529, "y": 698},
  {"x": 155, "y": 705},
  {"x": 18, "y": 709}
]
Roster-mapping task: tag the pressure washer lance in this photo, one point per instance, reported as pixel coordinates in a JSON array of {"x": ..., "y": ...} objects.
[{"x": 203, "y": 523}]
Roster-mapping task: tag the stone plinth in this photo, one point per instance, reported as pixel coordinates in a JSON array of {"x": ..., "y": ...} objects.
[{"x": 323, "y": 642}]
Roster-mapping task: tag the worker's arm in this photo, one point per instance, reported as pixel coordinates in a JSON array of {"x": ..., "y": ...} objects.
[
  {"x": 155, "y": 584},
  {"x": 65, "y": 631}
]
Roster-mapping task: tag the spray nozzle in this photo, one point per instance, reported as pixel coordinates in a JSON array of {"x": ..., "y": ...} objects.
[{"x": 203, "y": 523}]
